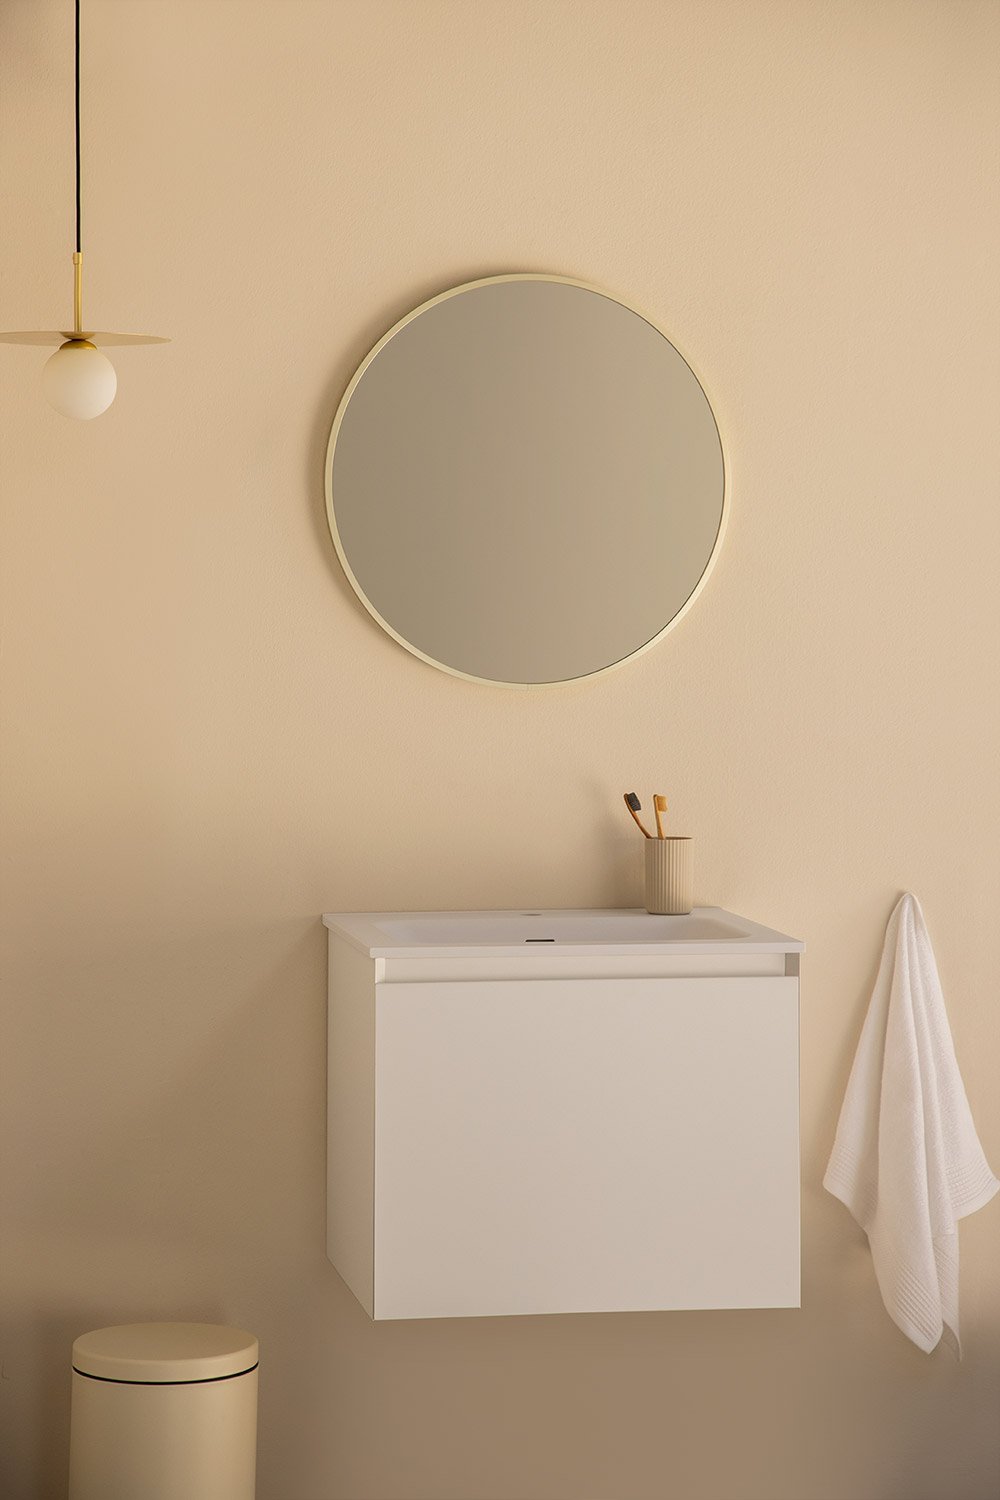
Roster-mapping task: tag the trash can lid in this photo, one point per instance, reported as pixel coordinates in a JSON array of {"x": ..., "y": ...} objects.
[{"x": 165, "y": 1353}]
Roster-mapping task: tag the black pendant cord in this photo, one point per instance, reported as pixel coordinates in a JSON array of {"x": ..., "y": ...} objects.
[{"x": 78, "y": 245}]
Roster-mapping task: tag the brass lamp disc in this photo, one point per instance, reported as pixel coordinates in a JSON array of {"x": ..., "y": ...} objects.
[{"x": 108, "y": 339}]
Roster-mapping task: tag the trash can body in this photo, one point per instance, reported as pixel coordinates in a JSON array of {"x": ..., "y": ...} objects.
[{"x": 166, "y": 1425}]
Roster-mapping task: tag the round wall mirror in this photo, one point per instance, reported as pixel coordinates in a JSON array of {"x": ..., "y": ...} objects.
[{"x": 525, "y": 482}]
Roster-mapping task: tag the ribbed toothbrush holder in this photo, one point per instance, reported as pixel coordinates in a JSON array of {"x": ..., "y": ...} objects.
[{"x": 668, "y": 877}]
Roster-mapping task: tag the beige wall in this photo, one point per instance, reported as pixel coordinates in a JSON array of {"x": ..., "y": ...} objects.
[{"x": 207, "y": 742}]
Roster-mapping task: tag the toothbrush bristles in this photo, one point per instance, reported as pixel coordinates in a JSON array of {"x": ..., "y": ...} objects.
[{"x": 635, "y": 807}]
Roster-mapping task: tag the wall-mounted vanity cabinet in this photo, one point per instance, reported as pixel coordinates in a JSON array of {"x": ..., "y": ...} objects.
[{"x": 551, "y": 1112}]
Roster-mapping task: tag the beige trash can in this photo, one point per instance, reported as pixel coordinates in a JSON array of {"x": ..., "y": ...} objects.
[{"x": 164, "y": 1411}]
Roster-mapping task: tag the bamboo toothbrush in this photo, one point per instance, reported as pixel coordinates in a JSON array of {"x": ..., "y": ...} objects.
[
  {"x": 659, "y": 807},
  {"x": 635, "y": 808}
]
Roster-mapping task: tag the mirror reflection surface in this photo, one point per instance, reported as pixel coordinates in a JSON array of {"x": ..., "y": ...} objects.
[{"x": 525, "y": 481}]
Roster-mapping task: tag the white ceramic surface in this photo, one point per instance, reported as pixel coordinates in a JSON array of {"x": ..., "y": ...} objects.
[{"x": 707, "y": 929}]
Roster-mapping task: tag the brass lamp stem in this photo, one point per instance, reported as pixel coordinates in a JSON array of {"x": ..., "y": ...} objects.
[{"x": 78, "y": 292}]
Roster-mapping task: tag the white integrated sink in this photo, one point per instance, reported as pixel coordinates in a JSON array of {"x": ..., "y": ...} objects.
[
  {"x": 423, "y": 934},
  {"x": 556, "y": 927}
]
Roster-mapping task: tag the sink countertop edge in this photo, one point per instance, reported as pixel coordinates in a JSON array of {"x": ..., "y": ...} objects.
[{"x": 361, "y": 931}]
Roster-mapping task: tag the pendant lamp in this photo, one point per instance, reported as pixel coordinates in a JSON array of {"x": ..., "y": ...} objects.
[{"x": 79, "y": 380}]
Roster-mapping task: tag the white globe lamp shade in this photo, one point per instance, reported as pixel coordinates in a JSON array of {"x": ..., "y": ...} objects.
[{"x": 79, "y": 380}]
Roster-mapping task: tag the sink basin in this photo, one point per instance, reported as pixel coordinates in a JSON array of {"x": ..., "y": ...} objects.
[
  {"x": 504, "y": 928},
  {"x": 421, "y": 934}
]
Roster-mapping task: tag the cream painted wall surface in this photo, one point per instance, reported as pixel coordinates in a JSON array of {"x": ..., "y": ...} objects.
[{"x": 207, "y": 742}]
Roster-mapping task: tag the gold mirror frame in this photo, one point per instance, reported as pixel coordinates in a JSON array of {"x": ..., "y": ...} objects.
[{"x": 358, "y": 376}]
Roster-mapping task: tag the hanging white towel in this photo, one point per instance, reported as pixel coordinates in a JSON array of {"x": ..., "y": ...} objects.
[{"x": 907, "y": 1161}]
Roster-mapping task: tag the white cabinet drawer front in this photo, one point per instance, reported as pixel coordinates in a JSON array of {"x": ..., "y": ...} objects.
[{"x": 586, "y": 1145}]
